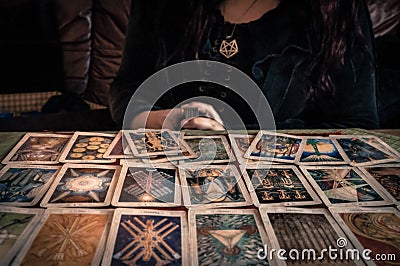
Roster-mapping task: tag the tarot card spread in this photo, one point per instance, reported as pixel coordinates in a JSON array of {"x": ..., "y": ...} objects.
[
  {"x": 209, "y": 149},
  {"x": 344, "y": 186},
  {"x": 24, "y": 185},
  {"x": 320, "y": 151},
  {"x": 279, "y": 185},
  {"x": 37, "y": 148},
  {"x": 82, "y": 185},
  {"x": 147, "y": 186}
]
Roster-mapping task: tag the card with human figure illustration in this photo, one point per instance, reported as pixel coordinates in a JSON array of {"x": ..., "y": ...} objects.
[
  {"x": 274, "y": 147},
  {"x": 147, "y": 237},
  {"x": 67, "y": 237},
  {"x": 282, "y": 185},
  {"x": 82, "y": 185},
  {"x": 38, "y": 148},
  {"x": 344, "y": 186},
  {"x": 149, "y": 185}
]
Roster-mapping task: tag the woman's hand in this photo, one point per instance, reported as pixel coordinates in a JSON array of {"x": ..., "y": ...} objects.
[{"x": 202, "y": 123}]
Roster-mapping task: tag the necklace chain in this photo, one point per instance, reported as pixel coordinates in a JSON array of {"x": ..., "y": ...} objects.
[{"x": 244, "y": 13}]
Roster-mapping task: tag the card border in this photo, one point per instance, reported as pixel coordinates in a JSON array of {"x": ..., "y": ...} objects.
[{"x": 117, "y": 138}]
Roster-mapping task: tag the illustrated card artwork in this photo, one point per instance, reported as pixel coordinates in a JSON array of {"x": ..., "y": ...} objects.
[
  {"x": 147, "y": 237},
  {"x": 387, "y": 177},
  {"x": 380, "y": 144},
  {"x": 147, "y": 185},
  {"x": 320, "y": 151},
  {"x": 377, "y": 229},
  {"x": 213, "y": 186},
  {"x": 15, "y": 227},
  {"x": 344, "y": 186},
  {"x": 87, "y": 147},
  {"x": 360, "y": 153},
  {"x": 278, "y": 186},
  {"x": 38, "y": 148},
  {"x": 116, "y": 149},
  {"x": 82, "y": 185},
  {"x": 301, "y": 229},
  {"x": 276, "y": 147},
  {"x": 240, "y": 144},
  {"x": 67, "y": 237},
  {"x": 24, "y": 185},
  {"x": 226, "y": 237}
]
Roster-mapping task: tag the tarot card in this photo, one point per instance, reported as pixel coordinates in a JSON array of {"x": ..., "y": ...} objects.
[
  {"x": 147, "y": 237},
  {"x": 147, "y": 185},
  {"x": 116, "y": 150},
  {"x": 361, "y": 153},
  {"x": 227, "y": 237},
  {"x": 24, "y": 185},
  {"x": 386, "y": 177},
  {"x": 380, "y": 144},
  {"x": 296, "y": 230},
  {"x": 278, "y": 186},
  {"x": 320, "y": 151},
  {"x": 213, "y": 186},
  {"x": 209, "y": 149},
  {"x": 376, "y": 229},
  {"x": 67, "y": 237},
  {"x": 276, "y": 147},
  {"x": 240, "y": 144},
  {"x": 15, "y": 227},
  {"x": 37, "y": 148},
  {"x": 82, "y": 185},
  {"x": 344, "y": 186},
  {"x": 87, "y": 147}
]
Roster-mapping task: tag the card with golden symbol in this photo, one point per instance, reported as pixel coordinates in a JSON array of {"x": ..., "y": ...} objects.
[
  {"x": 82, "y": 185},
  {"x": 24, "y": 185},
  {"x": 67, "y": 237},
  {"x": 344, "y": 186},
  {"x": 147, "y": 185},
  {"x": 15, "y": 227},
  {"x": 38, "y": 148},
  {"x": 282, "y": 185},
  {"x": 147, "y": 237},
  {"x": 117, "y": 150},
  {"x": 376, "y": 229},
  {"x": 213, "y": 186},
  {"x": 276, "y": 147},
  {"x": 227, "y": 237},
  {"x": 87, "y": 147}
]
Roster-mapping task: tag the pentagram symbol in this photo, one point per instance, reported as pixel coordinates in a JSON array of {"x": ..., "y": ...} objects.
[{"x": 229, "y": 49}]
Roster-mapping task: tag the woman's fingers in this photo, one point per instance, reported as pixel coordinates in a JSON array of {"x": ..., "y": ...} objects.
[
  {"x": 202, "y": 123},
  {"x": 204, "y": 110}
]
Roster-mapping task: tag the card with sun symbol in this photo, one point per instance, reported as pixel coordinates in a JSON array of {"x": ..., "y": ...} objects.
[
  {"x": 282, "y": 185},
  {"x": 87, "y": 147},
  {"x": 82, "y": 185},
  {"x": 117, "y": 149},
  {"x": 147, "y": 185},
  {"x": 344, "y": 186},
  {"x": 67, "y": 237},
  {"x": 226, "y": 237},
  {"x": 320, "y": 151},
  {"x": 15, "y": 227},
  {"x": 147, "y": 237},
  {"x": 38, "y": 148},
  {"x": 213, "y": 186}
]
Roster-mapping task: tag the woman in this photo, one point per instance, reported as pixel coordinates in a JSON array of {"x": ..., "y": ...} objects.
[{"x": 313, "y": 60}]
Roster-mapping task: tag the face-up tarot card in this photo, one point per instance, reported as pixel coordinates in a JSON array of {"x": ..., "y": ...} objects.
[
  {"x": 387, "y": 177},
  {"x": 320, "y": 151},
  {"x": 213, "y": 186},
  {"x": 344, "y": 186},
  {"x": 278, "y": 186},
  {"x": 226, "y": 237},
  {"x": 15, "y": 227},
  {"x": 82, "y": 185},
  {"x": 276, "y": 147},
  {"x": 359, "y": 152},
  {"x": 24, "y": 185},
  {"x": 67, "y": 237},
  {"x": 380, "y": 144},
  {"x": 38, "y": 148},
  {"x": 87, "y": 147},
  {"x": 376, "y": 229},
  {"x": 116, "y": 150},
  {"x": 147, "y": 185},
  {"x": 296, "y": 230},
  {"x": 240, "y": 144},
  {"x": 147, "y": 237}
]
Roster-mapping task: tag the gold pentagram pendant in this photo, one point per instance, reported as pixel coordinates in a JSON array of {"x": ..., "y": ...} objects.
[{"x": 229, "y": 49}]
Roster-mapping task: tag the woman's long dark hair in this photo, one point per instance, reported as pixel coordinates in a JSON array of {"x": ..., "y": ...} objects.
[{"x": 335, "y": 29}]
